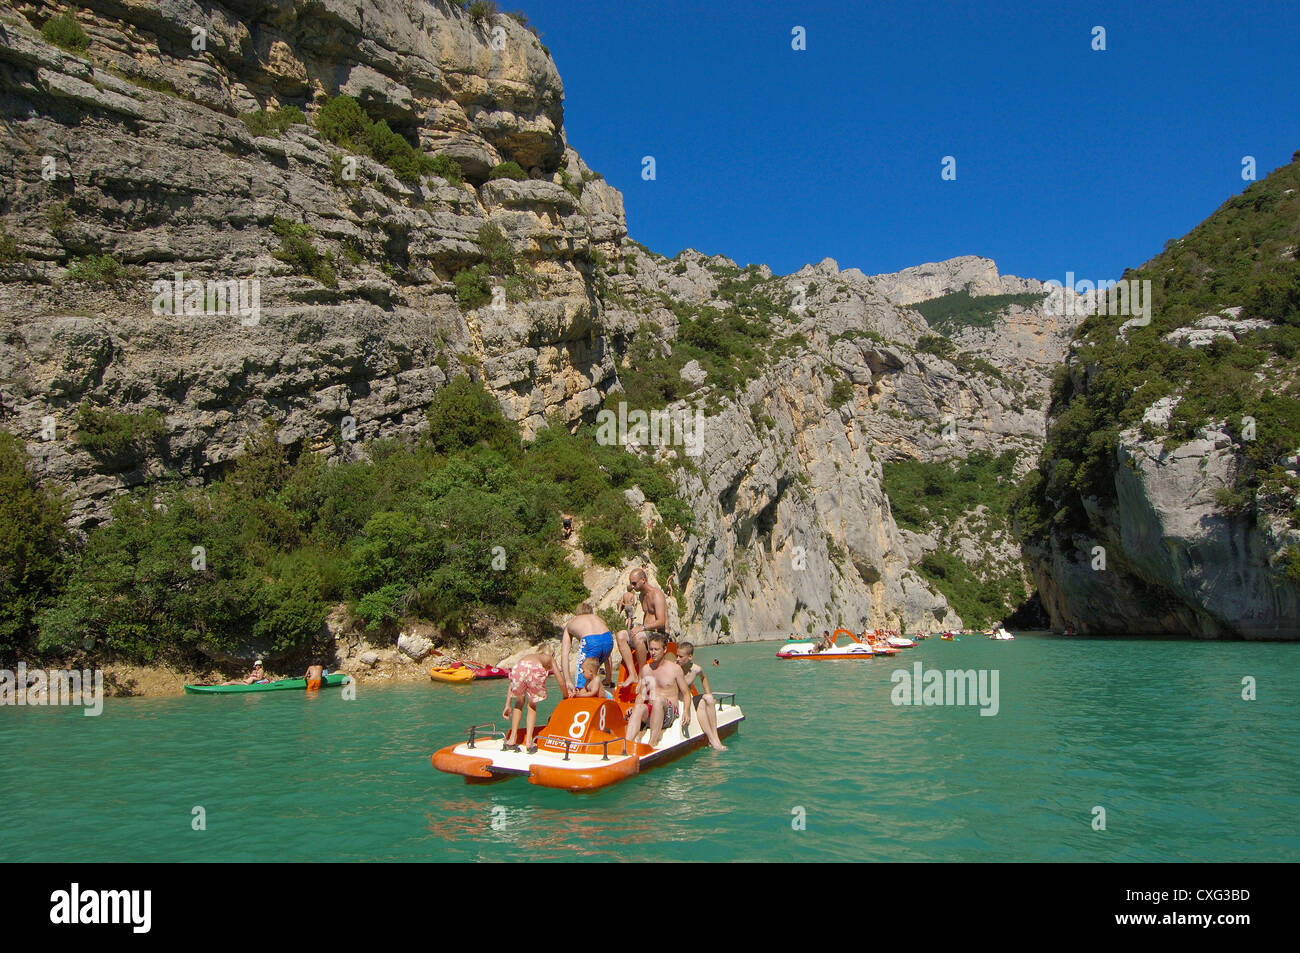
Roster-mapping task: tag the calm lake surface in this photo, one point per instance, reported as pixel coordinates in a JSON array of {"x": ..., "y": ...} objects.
[{"x": 1154, "y": 732}]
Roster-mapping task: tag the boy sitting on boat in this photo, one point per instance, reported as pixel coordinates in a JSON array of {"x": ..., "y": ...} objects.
[
  {"x": 662, "y": 696},
  {"x": 592, "y": 686},
  {"x": 704, "y": 704}
]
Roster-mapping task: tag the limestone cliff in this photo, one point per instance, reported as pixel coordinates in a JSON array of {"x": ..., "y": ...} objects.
[
  {"x": 1166, "y": 501},
  {"x": 131, "y": 151}
]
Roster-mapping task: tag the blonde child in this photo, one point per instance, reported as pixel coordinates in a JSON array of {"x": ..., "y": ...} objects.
[{"x": 595, "y": 685}]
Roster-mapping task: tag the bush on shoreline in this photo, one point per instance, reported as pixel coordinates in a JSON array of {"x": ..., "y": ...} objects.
[{"x": 461, "y": 525}]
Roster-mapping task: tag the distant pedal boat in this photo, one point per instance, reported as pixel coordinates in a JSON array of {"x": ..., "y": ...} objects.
[{"x": 856, "y": 649}]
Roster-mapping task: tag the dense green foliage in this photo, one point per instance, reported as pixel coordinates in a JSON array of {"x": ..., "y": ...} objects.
[
  {"x": 33, "y": 547},
  {"x": 99, "y": 270},
  {"x": 943, "y": 347},
  {"x": 980, "y": 602},
  {"x": 1242, "y": 255},
  {"x": 462, "y": 527},
  {"x": 930, "y": 498},
  {"x": 508, "y": 170},
  {"x": 118, "y": 438},
  {"x": 9, "y": 250},
  {"x": 297, "y": 251},
  {"x": 64, "y": 31},
  {"x": 733, "y": 344},
  {"x": 952, "y": 312},
  {"x": 922, "y": 495},
  {"x": 481, "y": 10},
  {"x": 474, "y": 284},
  {"x": 448, "y": 168},
  {"x": 263, "y": 122},
  {"x": 841, "y": 392},
  {"x": 343, "y": 122},
  {"x": 473, "y": 287}
]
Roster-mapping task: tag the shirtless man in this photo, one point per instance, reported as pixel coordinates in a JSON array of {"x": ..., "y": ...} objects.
[
  {"x": 667, "y": 697},
  {"x": 654, "y": 618},
  {"x": 704, "y": 704},
  {"x": 594, "y": 641},
  {"x": 627, "y": 604}
]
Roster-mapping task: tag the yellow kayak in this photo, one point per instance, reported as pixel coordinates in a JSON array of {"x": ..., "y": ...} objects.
[{"x": 449, "y": 674}]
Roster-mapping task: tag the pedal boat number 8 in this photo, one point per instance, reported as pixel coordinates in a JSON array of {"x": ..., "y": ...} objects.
[{"x": 580, "y": 748}]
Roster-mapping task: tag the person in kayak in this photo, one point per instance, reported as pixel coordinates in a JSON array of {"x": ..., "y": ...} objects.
[
  {"x": 654, "y": 618},
  {"x": 594, "y": 641},
  {"x": 662, "y": 698},
  {"x": 527, "y": 686},
  {"x": 705, "y": 706},
  {"x": 257, "y": 678}
]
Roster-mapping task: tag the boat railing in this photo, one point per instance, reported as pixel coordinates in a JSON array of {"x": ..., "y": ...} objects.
[
  {"x": 491, "y": 726},
  {"x": 570, "y": 744},
  {"x": 717, "y": 696}
]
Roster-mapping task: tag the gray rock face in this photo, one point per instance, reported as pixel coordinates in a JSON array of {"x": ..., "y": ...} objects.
[
  {"x": 172, "y": 182},
  {"x": 413, "y": 646},
  {"x": 154, "y": 168},
  {"x": 1174, "y": 562},
  {"x": 977, "y": 275}
]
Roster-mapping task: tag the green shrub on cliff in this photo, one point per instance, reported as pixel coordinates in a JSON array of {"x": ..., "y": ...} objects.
[
  {"x": 265, "y": 122},
  {"x": 345, "y": 123},
  {"x": 448, "y": 168},
  {"x": 118, "y": 437},
  {"x": 508, "y": 170},
  {"x": 464, "y": 415},
  {"x": 98, "y": 270},
  {"x": 64, "y": 31},
  {"x": 297, "y": 251},
  {"x": 842, "y": 392},
  {"x": 481, "y": 10},
  {"x": 1244, "y": 256},
  {"x": 952, "y": 312},
  {"x": 9, "y": 250},
  {"x": 473, "y": 287},
  {"x": 460, "y": 527},
  {"x": 34, "y": 548}
]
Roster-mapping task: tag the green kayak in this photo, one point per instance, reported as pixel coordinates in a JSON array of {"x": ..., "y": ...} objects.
[{"x": 283, "y": 685}]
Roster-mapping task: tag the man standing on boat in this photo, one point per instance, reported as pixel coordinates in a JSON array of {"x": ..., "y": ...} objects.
[
  {"x": 654, "y": 618},
  {"x": 668, "y": 698},
  {"x": 594, "y": 641}
]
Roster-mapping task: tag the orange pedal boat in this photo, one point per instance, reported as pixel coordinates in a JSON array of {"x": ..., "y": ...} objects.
[{"x": 580, "y": 747}]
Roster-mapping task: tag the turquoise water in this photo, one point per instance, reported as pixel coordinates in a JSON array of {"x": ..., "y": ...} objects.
[{"x": 1155, "y": 732}]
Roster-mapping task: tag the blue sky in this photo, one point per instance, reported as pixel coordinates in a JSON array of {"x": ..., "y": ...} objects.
[{"x": 1067, "y": 159}]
